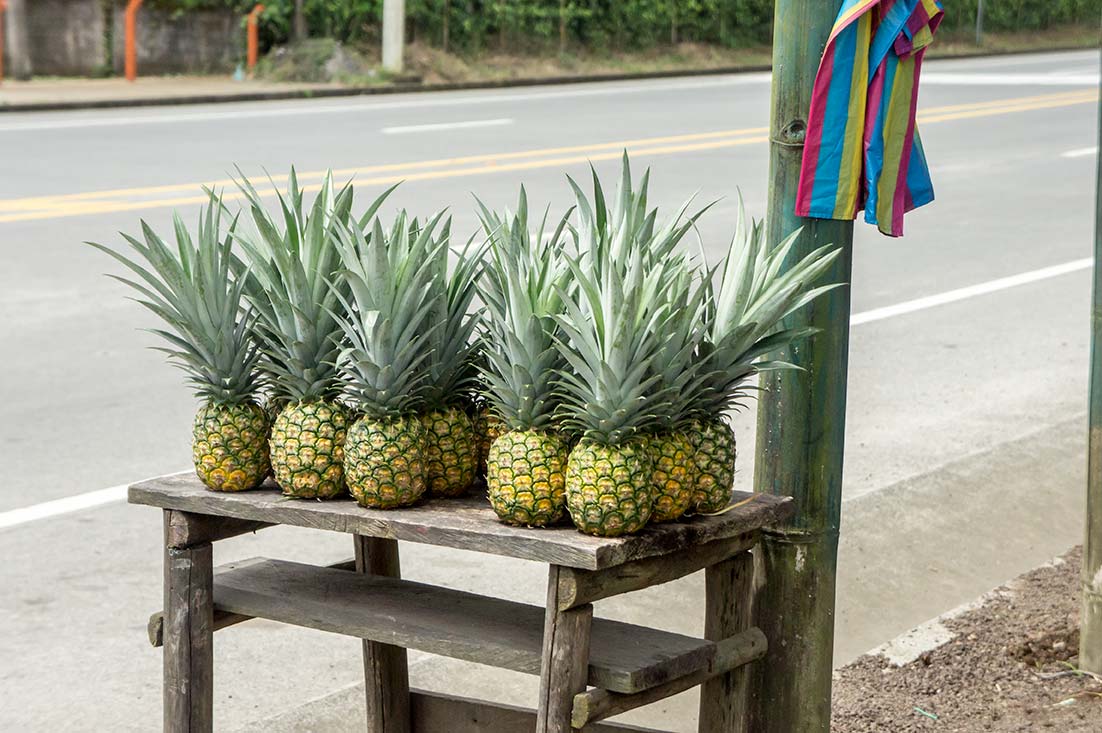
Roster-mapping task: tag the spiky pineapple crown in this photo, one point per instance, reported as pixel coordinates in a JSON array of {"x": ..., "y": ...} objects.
[
  {"x": 623, "y": 236},
  {"x": 521, "y": 285},
  {"x": 682, "y": 378},
  {"x": 452, "y": 364},
  {"x": 388, "y": 296},
  {"x": 744, "y": 313},
  {"x": 289, "y": 274},
  {"x": 622, "y": 315},
  {"x": 611, "y": 232},
  {"x": 193, "y": 290}
]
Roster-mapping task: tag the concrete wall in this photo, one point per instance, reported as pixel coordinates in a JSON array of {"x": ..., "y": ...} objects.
[
  {"x": 195, "y": 42},
  {"x": 68, "y": 38}
]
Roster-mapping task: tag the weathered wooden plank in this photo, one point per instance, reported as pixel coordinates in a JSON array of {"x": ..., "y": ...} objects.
[
  {"x": 577, "y": 587},
  {"x": 186, "y": 529},
  {"x": 386, "y": 669},
  {"x": 433, "y": 712},
  {"x": 597, "y": 704},
  {"x": 156, "y": 626},
  {"x": 222, "y": 619},
  {"x": 188, "y": 682},
  {"x": 465, "y": 523},
  {"x": 728, "y": 592},
  {"x": 623, "y": 657},
  {"x": 566, "y": 641}
]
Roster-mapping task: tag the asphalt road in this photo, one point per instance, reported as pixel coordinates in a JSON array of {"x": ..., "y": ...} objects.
[{"x": 966, "y": 419}]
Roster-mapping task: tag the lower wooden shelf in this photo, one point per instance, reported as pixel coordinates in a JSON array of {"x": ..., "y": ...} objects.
[{"x": 623, "y": 657}]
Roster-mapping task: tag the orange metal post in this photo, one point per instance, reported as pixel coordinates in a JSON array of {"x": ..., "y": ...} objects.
[
  {"x": 131, "y": 42},
  {"x": 251, "y": 40}
]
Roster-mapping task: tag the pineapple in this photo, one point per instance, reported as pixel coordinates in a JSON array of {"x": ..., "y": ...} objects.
[
  {"x": 609, "y": 400},
  {"x": 387, "y": 322},
  {"x": 522, "y": 287},
  {"x": 289, "y": 273},
  {"x": 193, "y": 290},
  {"x": 671, "y": 446},
  {"x": 611, "y": 337},
  {"x": 451, "y": 447},
  {"x": 681, "y": 295},
  {"x": 743, "y": 322}
]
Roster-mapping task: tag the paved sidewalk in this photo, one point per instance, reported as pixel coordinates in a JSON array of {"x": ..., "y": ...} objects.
[
  {"x": 40, "y": 94},
  {"x": 82, "y": 93}
]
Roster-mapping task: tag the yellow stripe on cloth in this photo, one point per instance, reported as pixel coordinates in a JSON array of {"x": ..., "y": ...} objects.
[
  {"x": 895, "y": 125},
  {"x": 853, "y": 151}
]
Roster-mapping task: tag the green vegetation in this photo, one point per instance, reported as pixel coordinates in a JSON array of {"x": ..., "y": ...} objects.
[{"x": 542, "y": 26}]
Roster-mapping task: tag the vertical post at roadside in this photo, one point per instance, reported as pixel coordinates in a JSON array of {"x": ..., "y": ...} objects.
[
  {"x": 3, "y": 8},
  {"x": 1090, "y": 636},
  {"x": 252, "y": 42},
  {"x": 298, "y": 24},
  {"x": 18, "y": 43},
  {"x": 394, "y": 34},
  {"x": 979, "y": 22},
  {"x": 801, "y": 417},
  {"x": 562, "y": 27},
  {"x": 131, "y": 61},
  {"x": 445, "y": 31}
]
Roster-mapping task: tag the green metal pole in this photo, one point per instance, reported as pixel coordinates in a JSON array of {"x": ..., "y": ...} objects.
[
  {"x": 801, "y": 417},
  {"x": 1090, "y": 636}
]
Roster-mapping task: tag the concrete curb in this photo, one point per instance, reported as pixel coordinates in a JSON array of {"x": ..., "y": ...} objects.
[
  {"x": 932, "y": 634},
  {"x": 409, "y": 88}
]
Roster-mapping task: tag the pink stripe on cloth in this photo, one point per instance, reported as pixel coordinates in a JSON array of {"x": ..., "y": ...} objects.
[
  {"x": 899, "y": 198},
  {"x": 850, "y": 15},
  {"x": 813, "y": 138}
]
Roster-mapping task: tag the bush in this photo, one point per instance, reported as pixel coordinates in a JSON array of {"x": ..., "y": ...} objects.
[{"x": 534, "y": 26}]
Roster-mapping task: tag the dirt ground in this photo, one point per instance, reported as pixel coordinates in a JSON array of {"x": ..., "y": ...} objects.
[
  {"x": 322, "y": 60},
  {"x": 1010, "y": 666}
]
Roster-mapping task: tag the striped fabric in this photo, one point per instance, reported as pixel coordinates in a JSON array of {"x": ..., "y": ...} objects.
[{"x": 862, "y": 149}]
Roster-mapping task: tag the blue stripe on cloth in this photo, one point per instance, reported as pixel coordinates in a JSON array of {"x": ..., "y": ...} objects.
[
  {"x": 874, "y": 152},
  {"x": 893, "y": 22},
  {"x": 824, "y": 194},
  {"x": 919, "y": 185}
]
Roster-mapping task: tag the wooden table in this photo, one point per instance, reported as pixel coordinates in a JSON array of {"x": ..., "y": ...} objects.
[{"x": 590, "y": 668}]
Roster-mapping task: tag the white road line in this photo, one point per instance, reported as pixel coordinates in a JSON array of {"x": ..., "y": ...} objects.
[
  {"x": 92, "y": 499},
  {"x": 1080, "y": 152},
  {"x": 453, "y": 99},
  {"x": 1043, "y": 80},
  {"x": 952, "y": 296},
  {"x": 62, "y": 506},
  {"x": 413, "y": 101},
  {"x": 447, "y": 126}
]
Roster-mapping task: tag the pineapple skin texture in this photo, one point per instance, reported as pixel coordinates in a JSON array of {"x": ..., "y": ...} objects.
[
  {"x": 384, "y": 462},
  {"x": 714, "y": 453},
  {"x": 272, "y": 408},
  {"x": 675, "y": 475},
  {"x": 229, "y": 446},
  {"x": 487, "y": 429},
  {"x": 609, "y": 488},
  {"x": 526, "y": 477},
  {"x": 451, "y": 451},
  {"x": 307, "y": 447}
]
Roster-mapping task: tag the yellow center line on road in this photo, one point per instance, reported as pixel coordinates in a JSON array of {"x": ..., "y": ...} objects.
[
  {"x": 387, "y": 168},
  {"x": 131, "y": 199}
]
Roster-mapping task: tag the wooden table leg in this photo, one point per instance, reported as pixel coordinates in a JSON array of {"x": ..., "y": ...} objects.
[
  {"x": 565, "y": 664},
  {"x": 188, "y": 637},
  {"x": 728, "y": 586},
  {"x": 386, "y": 672}
]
